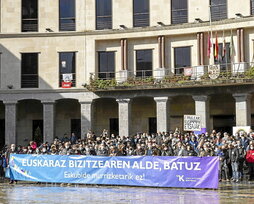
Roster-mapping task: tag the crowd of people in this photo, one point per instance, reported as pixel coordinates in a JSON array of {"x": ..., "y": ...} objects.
[{"x": 235, "y": 152}]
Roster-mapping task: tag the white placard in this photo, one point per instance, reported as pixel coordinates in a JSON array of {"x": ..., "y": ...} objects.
[
  {"x": 192, "y": 123},
  {"x": 67, "y": 77},
  {"x": 241, "y": 129}
]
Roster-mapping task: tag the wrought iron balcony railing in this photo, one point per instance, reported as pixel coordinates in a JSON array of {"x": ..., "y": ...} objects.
[{"x": 220, "y": 73}]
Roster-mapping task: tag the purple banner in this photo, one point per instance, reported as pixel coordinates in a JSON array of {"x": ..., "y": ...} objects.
[{"x": 181, "y": 172}]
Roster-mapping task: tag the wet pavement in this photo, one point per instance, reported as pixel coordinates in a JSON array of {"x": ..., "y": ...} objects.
[{"x": 54, "y": 193}]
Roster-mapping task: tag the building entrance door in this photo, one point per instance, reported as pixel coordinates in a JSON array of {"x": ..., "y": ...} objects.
[
  {"x": 224, "y": 123},
  {"x": 114, "y": 126},
  {"x": 2, "y": 133},
  {"x": 76, "y": 127},
  {"x": 152, "y": 125},
  {"x": 38, "y": 131}
]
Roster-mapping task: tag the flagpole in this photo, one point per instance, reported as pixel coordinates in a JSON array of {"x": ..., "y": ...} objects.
[
  {"x": 211, "y": 30},
  {"x": 225, "y": 50}
]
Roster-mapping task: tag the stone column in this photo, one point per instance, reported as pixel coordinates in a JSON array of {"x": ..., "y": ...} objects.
[
  {"x": 200, "y": 42},
  {"x": 48, "y": 121},
  {"x": 202, "y": 109},
  {"x": 243, "y": 109},
  {"x": 86, "y": 108},
  {"x": 10, "y": 122},
  {"x": 124, "y": 54},
  {"x": 161, "y": 48},
  {"x": 124, "y": 114},
  {"x": 162, "y": 113}
]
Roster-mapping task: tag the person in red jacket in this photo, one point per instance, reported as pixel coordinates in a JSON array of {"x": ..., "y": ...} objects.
[{"x": 250, "y": 161}]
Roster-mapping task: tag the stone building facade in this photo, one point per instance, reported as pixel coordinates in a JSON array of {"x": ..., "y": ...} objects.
[{"x": 39, "y": 39}]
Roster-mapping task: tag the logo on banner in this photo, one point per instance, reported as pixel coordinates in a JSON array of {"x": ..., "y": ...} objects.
[
  {"x": 214, "y": 71},
  {"x": 180, "y": 178}
]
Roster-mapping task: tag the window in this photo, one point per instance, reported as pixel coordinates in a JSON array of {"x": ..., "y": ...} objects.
[
  {"x": 218, "y": 9},
  {"x": 179, "y": 11},
  {"x": 252, "y": 7},
  {"x": 67, "y": 68},
  {"x": 106, "y": 65},
  {"x": 103, "y": 14},
  {"x": 182, "y": 58},
  {"x": 140, "y": 13},
  {"x": 224, "y": 57},
  {"x": 144, "y": 63},
  {"x": 67, "y": 21},
  {"x": 29, "y": 70},
  {"x": 29, "y": 16}
]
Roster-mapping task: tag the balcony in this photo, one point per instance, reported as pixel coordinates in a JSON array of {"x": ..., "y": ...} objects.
[
  {"x": 218, "y": 12},
  {"x": 67, "y": 24},
  {"x": 29, "y": 80},
  {"x": 141, "y": 19},
  {"x": 195, "y": 76},
  {"x": 29, "y": 25},
  {"x": 103, "y": 22}
]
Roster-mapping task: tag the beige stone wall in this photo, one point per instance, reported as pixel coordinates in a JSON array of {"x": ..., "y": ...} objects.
[
  {"x": 122, "y": 13},
  {"x": 242, "y": 7},
  {"x": 198, "y": 9},
  {"x": 48, "y": 15},
  {"x": 10, "y": 16},
  {"x": 88, "y": 46},
  {"x": 160, "y": 11},
  {"x": 90, "y": 15},
  {"x": 48, "y": 49}
]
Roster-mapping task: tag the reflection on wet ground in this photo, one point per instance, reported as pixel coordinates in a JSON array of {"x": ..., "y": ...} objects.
[{"x": 53, "y": 193}]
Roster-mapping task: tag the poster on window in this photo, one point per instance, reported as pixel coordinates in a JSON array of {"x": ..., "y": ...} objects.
[
  {"x": 192, "y": 123},
  {"x": 63, "y": 64},
  {"x": 67, "y": 77}
]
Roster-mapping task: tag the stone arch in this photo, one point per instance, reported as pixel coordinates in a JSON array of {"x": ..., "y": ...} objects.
[
  {"x": 29, "y": 121},
  {"x": 67, "y": 117},
  {"x": 105, "y": 115}
]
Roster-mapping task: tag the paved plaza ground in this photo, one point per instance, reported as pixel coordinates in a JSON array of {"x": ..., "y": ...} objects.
[{"x": 54, "y": 193}]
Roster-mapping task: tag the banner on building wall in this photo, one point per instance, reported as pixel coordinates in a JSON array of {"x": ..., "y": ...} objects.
[
  {"x": 67, "y": 77},
  {"x": 185, "y": 172},
  {"x": 192, "y": 123},
  {"x": 66, "y": 85}
]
